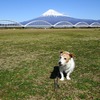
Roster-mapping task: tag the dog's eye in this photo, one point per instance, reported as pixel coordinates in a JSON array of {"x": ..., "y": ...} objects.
[
  {"x": 65, "y": 58},
  {"x": 60, "y": 57}
]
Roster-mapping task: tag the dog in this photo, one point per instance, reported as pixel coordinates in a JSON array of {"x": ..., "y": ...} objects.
[{"x": 66, "y": 64}]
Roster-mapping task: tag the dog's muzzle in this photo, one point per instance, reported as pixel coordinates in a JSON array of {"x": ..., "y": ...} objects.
[{"x": 60, "y": 64}]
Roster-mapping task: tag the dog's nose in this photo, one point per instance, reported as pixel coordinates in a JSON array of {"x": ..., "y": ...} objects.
[{"x": 59, "y": 63}]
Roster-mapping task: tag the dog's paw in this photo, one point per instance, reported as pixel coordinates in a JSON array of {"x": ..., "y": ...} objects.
[
  {"x": 68, "y": 78},
  {"x": 62, "y": 79}
]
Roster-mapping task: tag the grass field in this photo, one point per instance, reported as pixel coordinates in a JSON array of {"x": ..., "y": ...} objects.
[{"x": 28, "y": 56}]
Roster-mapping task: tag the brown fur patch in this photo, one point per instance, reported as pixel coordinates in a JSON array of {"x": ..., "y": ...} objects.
[{"x": 67, "y": 56}]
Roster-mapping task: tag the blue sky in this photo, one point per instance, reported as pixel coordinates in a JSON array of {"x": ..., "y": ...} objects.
[{"x": 21, "y": 10}]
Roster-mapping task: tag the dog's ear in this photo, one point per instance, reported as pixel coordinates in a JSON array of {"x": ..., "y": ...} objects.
[
  {"x": 61, "y": 52},
  {"x": 71, "y": 55}
]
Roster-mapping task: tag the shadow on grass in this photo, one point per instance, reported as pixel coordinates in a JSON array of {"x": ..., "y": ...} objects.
[{"x": 55, "y": 74}]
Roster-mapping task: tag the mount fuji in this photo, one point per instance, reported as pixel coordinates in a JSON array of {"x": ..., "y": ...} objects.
[
  {"x": 52, "y": 12},
  {"x": 54, "y": 17}
]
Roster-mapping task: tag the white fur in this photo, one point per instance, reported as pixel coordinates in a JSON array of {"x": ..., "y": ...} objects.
[{"x": 66, "y": 67}]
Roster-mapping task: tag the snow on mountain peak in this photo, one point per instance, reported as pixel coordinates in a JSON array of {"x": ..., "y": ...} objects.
[{"x": 52, "y": 12}]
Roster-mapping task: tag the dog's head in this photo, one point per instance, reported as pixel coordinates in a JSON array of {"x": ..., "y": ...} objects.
[{"x": 64, "y": 58}]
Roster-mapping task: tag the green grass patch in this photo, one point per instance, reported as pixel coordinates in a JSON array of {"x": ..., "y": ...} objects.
[{"x": 27, "y": 58}]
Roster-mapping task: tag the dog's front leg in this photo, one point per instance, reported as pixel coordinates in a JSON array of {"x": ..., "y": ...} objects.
[
  {"x": 68, "y": 75},
  {"x": 62, "y": 76}
]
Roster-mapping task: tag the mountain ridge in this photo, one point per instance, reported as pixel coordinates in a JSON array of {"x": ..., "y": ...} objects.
[{"x": 53, "y": 17}]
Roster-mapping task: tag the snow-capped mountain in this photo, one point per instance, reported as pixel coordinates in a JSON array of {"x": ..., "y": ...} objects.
[
  {"x": 54, "y": 17},
  {"x": 52, "y": 12}
]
